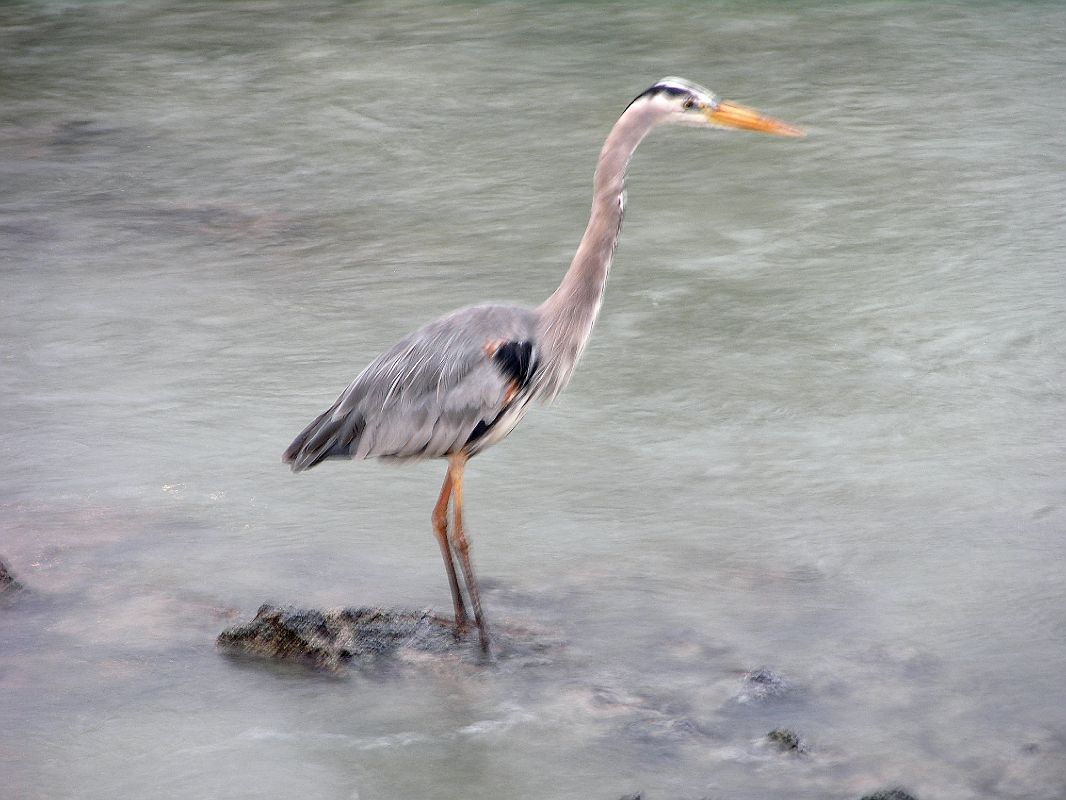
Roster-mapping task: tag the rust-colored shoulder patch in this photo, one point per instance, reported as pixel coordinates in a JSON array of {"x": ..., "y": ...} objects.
[{"x": 512, "y": 390}]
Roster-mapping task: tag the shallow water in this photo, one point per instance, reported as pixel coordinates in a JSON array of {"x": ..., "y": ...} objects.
[{"x": 818, "y": 427}]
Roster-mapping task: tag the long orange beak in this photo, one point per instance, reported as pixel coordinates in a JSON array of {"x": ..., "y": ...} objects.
[{"x": 734, "y": 115}]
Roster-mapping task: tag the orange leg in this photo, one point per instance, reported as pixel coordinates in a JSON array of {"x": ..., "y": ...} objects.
[
  {"x": 440, "y": 530},
  {"x": 456, "y": 463}
]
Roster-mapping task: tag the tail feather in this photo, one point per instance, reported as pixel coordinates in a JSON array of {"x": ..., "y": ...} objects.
[{"x": 324, "y": 438}]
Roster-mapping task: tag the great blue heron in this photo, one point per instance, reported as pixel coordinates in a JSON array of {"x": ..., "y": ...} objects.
[{"x": 463, "y": 382}]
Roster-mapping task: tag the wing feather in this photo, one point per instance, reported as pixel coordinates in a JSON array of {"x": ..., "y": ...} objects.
[{"x": 426, "y": 395}]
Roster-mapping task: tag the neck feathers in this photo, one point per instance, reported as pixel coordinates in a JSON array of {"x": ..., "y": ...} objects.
[{"x": 566, "y": 318}]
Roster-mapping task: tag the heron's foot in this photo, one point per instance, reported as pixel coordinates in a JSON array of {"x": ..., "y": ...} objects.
[
  {"x": 483, "y": 639},
  {"x": 462, "y": 626},
  {"x": 462, "y": 616}
]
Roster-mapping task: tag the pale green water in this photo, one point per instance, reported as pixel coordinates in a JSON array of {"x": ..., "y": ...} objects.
[{"x": 818, "y": 427}]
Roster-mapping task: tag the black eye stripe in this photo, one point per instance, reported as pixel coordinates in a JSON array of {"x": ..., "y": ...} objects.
[
  {"x": 679, "y": 90},
  {"x": 675, "y": 91}
]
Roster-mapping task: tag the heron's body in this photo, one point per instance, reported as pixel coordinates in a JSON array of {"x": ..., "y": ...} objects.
[
  {"x": 435, "y": 392},
  {"x": 461, "y": 383}
]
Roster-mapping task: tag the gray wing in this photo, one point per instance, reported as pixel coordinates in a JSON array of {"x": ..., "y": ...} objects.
[{"x": 431, "y": 394}]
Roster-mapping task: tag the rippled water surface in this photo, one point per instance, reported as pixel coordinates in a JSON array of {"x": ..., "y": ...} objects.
[{"x": 818, "y": 429}]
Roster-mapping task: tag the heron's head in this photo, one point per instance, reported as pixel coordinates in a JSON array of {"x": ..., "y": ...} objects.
[{"x": 676, "y": 101}]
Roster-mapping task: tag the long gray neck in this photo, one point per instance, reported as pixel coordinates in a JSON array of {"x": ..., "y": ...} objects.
[{"x": 565, "y": 320}]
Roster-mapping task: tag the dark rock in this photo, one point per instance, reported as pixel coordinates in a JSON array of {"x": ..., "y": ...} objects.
[
  {"x": 8, "y": 585},
  {"x": 329, "y": 639},
  {"x": 895, "y": 793},
  {"x": 762, "y": 684},
  {"x": 786, "y": 740}
]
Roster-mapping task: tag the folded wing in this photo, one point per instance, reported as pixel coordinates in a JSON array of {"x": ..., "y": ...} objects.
[{"x": 438, "y": 389}]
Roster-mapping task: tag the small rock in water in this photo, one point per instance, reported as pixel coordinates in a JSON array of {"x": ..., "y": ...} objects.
[
  {"x": 762, "y": 684},
  {"x": 8, "y": 584},
  {"x": 895, "y": 793},
  {"x": 787, "y": 740},
  {"x": 329, "y": 639}
]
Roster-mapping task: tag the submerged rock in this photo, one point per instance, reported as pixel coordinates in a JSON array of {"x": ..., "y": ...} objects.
[
  {"x": 329, "y": 639},
  {"x": 786, "y": 740},
  {"x": 763, "y": 684},
  {"x": 895, "y": 793},
  {"x": 8, "y": 585}
]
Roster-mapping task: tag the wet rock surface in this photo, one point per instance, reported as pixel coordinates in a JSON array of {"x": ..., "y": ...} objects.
[
  {"x": 331, "y": 639},
  {"x": 763, "y": 684},
  {"x": 786, "y": 740},
  {"x": 336, "y": 638},
  {"x": 9, "y": 587},
  {"x": 895, "y": 793}
]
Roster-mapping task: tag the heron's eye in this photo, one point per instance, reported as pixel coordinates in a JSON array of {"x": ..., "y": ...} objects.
[{"x": 688, "y": 103}]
